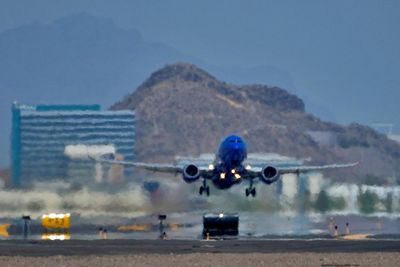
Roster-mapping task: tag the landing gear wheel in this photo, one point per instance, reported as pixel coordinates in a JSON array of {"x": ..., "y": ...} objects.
[
  {"x": 201, "y": 190},
  {"x": 205, "y": 189},
  {"x": 253, "y": 192},
  {"x": 247, "y": 192}
]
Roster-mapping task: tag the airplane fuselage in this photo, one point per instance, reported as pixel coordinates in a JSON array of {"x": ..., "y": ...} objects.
[{"x": 229, "y": 167}]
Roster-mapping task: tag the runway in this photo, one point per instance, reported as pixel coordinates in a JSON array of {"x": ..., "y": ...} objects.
[{"x": 138, "y": 247}]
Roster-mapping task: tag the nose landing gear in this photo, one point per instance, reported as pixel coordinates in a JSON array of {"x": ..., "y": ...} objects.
[{"x": 251, "y": 190}]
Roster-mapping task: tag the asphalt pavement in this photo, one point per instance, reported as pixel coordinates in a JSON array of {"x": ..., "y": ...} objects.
[{"x": 132, "y": 247}]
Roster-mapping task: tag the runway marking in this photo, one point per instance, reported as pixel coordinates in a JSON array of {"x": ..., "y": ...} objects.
[{"x": 207, "y": 246}]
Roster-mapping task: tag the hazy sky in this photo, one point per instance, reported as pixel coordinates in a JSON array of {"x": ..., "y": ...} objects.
[{"x": 339, "y": 51}]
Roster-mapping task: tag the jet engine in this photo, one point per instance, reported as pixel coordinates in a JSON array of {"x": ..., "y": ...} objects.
[
  {"x": 191, "y": 173},
  {"x": 269, "y": 175}
]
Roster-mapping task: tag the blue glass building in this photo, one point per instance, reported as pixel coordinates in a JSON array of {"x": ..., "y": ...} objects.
[{"x": 40, "y": 135}]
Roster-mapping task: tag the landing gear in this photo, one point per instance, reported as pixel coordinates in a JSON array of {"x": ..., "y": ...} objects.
[
  {"x": 204, "y": 188},
  {"x": 251, "y": 190}
]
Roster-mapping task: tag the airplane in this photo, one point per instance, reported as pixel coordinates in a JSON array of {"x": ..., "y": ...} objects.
[{"x": 227, "y": 169}]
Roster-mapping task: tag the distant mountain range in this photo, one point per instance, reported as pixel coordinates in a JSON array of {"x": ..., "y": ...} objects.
[
  {"x": 183, "y": 110},
  {"x": 86, "y": 59}
]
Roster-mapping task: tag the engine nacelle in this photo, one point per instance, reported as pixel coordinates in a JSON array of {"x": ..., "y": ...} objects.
[
  {"x": 269, "y": 174},
  {"x": 191, "y": 173}
]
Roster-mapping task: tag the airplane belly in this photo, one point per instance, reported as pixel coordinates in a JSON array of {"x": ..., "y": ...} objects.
[
  {"x": 222, "y": 184},
  {"x": 225, "y": 183}
]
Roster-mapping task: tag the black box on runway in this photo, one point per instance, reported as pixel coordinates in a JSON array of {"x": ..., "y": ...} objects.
[{"x": 219, "y": 224}]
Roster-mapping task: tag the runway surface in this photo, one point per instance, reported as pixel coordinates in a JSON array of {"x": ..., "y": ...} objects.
[{"x": 133, "y": 247}]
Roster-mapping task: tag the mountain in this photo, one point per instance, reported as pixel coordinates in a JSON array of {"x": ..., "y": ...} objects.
[
  {"x": 74, "y": 55},
  {"x": 183, "y": 110}
]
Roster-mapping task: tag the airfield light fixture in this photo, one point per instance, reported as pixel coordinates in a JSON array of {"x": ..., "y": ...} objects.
[{"x": 56, "y": 236}]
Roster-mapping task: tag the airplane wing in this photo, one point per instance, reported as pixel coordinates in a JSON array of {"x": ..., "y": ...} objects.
[
  {"x": 303, "y": 169},
  {"x": 256, "y": 171},
  {"x": 168, "y": 168},
  {"x": 154, "y": 167}
]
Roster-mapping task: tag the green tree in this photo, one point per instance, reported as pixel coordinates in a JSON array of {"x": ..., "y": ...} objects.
[
  {"x": 367, "y": 202},
  {"x": 388, "y": 203},
  {"x": 337, "y": 203},
  {"x": 322, "y": 204}
]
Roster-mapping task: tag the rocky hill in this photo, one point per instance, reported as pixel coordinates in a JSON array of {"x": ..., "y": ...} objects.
[{"x": 183, "y": 110}]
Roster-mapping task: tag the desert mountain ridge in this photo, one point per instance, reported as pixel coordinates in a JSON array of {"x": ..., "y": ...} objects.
[{"x": 183, "y": 110}]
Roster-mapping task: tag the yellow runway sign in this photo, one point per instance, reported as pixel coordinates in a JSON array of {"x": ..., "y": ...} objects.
[
  {"x": 4, "y": 229},
  {"x": 56, "y": 221}
]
